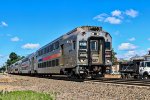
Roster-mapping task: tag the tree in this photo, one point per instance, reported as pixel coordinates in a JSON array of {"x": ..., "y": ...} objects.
[
  {"x": 13, "y": 57},
  {"x": 3, "y": 68},
  {"x": 8, "y": 63}
]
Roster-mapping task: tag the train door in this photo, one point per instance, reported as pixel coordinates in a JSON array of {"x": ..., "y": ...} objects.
[
  {"x": 62, "y": 55},
  {"x": 96, "y": 55},
  {"x": 96, "y": 49}
]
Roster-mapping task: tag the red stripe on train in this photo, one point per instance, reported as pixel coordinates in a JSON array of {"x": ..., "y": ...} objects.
[{"x": 51, "y": 57}]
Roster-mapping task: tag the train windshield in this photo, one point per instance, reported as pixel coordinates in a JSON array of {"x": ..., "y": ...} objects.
[
  {"x": 94, "y": 45},
  {"x": 82, "y": 45},
  {"x": 148, "y": 64},
  {"x": 107, "y": 45}
]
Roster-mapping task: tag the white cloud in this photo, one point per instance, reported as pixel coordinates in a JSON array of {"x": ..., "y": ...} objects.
[
  {"x": 127, "y": 55},
  {"x": 15, "y": 39},
  {"x": 148, "y": 49},
  {"x": 31, "y": 46},
  {"x": 3, "y": 24},
  {"x": 113, "y": 20},
  {"x": 127, "y": 46},
  {"x": 142, "y": 52},
  {"x": 116, "y": 13},
  {"x": 4, "y": 57},
  {"x": 1, "y": 56},
  {"x": 132, "y": 13},
  {"x": 101, "y": 17},
  {"x": 105, "y": 18},
  {"x": 130, "y": 54},
  {"x": 117, "y": 16},
  {"x": 132, "y": 39}
]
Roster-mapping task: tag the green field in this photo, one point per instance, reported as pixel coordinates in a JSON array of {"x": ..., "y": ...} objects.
[{"x": 25, "y": 95}]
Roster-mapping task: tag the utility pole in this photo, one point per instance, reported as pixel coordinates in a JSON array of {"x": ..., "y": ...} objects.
[
  {"x": 6, "y": 69},
  {"x": 3, "y": 69}
]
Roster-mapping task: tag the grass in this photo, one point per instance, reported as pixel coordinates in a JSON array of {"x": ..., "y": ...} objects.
[
  {"x": 25, "y": 95},
  {"x": 1, "y": 73}
]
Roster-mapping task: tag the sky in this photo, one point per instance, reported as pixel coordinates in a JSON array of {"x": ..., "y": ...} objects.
[{"x": 26, "y": 25}]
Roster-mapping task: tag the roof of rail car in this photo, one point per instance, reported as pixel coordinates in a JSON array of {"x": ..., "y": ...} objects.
[
  {"x": 68, "y": 33},
  {"x": 28, "y": 56}
]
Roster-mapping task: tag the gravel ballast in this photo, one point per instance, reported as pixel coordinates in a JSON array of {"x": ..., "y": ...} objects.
[{"x": 70, "y": 90}]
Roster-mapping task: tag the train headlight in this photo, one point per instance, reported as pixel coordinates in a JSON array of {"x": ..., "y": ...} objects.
[
  {"x": 82, "y": 60},
  {"x": 108, "y": 61},
  {"x": 94, "y": 33}
]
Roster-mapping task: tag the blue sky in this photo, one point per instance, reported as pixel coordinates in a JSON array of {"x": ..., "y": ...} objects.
[{"x": 26, "y": 25}]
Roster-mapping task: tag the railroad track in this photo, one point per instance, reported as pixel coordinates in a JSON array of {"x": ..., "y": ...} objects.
[{"x": 133, "y": 82}]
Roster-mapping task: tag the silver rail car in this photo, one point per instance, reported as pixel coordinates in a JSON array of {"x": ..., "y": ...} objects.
[
  {"x": 81, "y": 52},
  {"x": 28, "y": 64},
  {"x": 15, "y": 68},
  {"x": 10, "y": 69},
  {"x": 84, "y": 51}
]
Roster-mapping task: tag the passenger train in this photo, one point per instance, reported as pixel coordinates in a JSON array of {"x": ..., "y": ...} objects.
[{"x": 84, "y": 51}]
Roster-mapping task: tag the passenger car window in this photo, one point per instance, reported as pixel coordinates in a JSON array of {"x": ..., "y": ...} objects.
[
  {"x": 82, "y": 45},
  {"x": 94, "y": 45},
  {"x": 107, "y": 45},
  {"x": 53, "y": 63},
  {"x": 57, "y": 45},
  {"x": 74, "y": 45},
  {"x": 49, "y": 64},
  {"x": 57, "y": 62},
  {"x": 51, "y": 48},
  {"x": 44, "y": 50}
]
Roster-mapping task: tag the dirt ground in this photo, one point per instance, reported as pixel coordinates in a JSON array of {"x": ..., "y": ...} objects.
[{"x": 70, "y": 90}]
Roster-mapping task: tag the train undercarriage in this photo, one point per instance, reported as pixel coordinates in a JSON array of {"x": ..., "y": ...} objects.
[{"x": 82, "y": 72}]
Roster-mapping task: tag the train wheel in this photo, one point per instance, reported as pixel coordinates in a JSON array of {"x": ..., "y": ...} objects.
[
  {"x": 71, "y": 75},
  {"x": 83, "y": 76},
  {"x": 123, "y": 76},
  {"x": 94, "y": 76},
  {"x": 145, "y": 77},
  {"x": 136, "y": 77},
  {"x": 50, "y": 75},
  {"x": 128, "y": 76}
]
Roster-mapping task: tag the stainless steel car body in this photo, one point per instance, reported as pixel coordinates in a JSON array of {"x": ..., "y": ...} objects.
[
  {"x": 69, "y": 54},
  {"x": 85, "y": 49}
]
